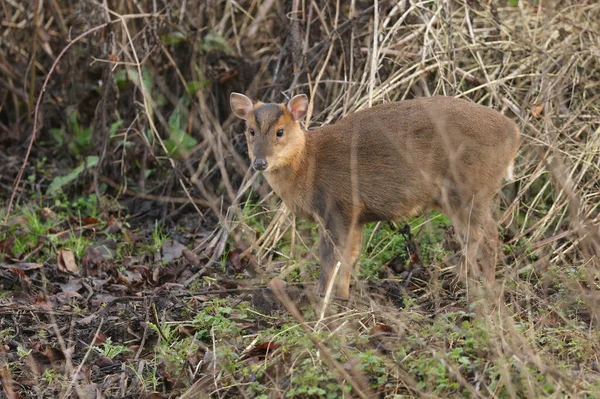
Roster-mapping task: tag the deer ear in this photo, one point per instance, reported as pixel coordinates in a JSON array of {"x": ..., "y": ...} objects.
[
  {"x": 298, "y": 106},
  {"x": 240, "y": 105}
]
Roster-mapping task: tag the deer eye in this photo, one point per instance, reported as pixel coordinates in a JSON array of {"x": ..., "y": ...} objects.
[
  {"x": 280, "y": 133},
  {"x": 251, "y": 132}
]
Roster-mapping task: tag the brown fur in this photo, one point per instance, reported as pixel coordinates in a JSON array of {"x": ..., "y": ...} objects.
[{"x": 388, "y": 162}]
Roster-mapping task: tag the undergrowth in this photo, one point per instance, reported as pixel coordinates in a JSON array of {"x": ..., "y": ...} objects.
[{"x": 136, "y": 249}]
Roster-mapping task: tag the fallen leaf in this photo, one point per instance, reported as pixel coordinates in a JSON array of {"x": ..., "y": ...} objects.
[
  {"x": 171, "y": 250},
  {"x": 66, "y": 297},
  {"x": 99, "y": 338},
  {"x": 84, "y": 376},
  {"x": 208, "y": 361},
  {"x": 104, "y": 361},
  {"x": 537, "y": 109},
  {"x": 130, "y": 278},
  {"x": 66, "y": 261},
  {"x": 6, "y": 245},
  {"x": 22, "y": 266},
  {"x": 129, "y": 261},
  {"x": 54, "y": 354},
  {"x": 114, "y": 226},
  {"x": 87, "y": 320},
  {"x": 88, "y": 391},
  {"x": 234, "y": 258},
  {"x": 96, "y": 255},
  {"x": 47, "y": 213},
  {"x": 414, "y": 258},
  {"x": 72, "y": 286},
  {"x": 101, "y": 299},
  {"x": 195, "y": 357},
  {"x": 165, "y": 376},
  {"x": 42, "y": 302},
  {"x": 21, "y": 274},
  {"x": 87, "y": 221},
  {"x": 191, "y": 257},
  {"x": 18, "y": 220},
  {"x": 187, "y": 330},
  {"x": 351, "y": 364},
  {"x": 261, "y": 350},
  {"x": 380, "y": 328}
]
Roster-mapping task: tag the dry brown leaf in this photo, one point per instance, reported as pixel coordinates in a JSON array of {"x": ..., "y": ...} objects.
[
  {"x": 47, "y": 213},
  {"x": 18, "y": 220},
  {"x": 537, "y": 109},
  {"x": 88, "y": 391},
  {"x": 261, "y": 350},
  {"x": 66, "y": 261},
  {"x": 380, "y": 328},
  {"x": 234, "y": 258},
  {"x": 104, "y": 361},
  {"x": 95, "y": 256},
  {"x": 171, "y": 250},
  {"x": 54, "y": 354},
  {"x": 72, "y": 286},
  {"x": 25, "y": 266},
  {"x": 6, "y": 245},
  {"x": 21, "y": 274},
  {"x": 191, "y": 257},
  {"x": 113, "y": 226}
]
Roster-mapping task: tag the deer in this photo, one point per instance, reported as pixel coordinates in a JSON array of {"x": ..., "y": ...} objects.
[{"x": 388, "y": 162}]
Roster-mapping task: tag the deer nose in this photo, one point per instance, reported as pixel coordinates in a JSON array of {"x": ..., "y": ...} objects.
[{"x": 260, "y": 164}]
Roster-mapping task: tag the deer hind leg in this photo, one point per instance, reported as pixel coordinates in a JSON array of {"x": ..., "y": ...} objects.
[
  {"x": 481, "y": 245},
  {"x": 477, "y": 233},
  {"x": 350, "y": 254}
]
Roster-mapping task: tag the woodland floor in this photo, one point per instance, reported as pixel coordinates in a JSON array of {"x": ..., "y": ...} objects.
[{"x": 140, "y": 258}]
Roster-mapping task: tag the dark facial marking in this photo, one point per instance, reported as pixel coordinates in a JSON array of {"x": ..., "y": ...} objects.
[{"x": 266, "y": 115}]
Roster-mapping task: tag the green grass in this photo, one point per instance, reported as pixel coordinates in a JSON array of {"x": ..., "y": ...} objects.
[{"x": 447, "y": 354}]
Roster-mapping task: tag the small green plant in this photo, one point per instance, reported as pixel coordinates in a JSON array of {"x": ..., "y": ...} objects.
[
  {"x": 251, "y": 215},
  {"x": 77, "y": 137},
  {"x": 373, "y": 367},
  {"x": 150, "y": 378},
  {"x": 7, "y": 333},
  {"x": 179, "y": 142},
  {"x": 158, "y": 237},
  {"x": 23, "y": 244},
  {"x": 167, "y": 332},
  {"x": 215, "y": 318},
  {"x": 315, "y": 380},
  {"x": 77, "y": 243},
  {"x": 51, "y": 376},
  {"x": 214, "y": 42},
  {"x": 22, "y": 352},
  {"x": 110, "y": 350},
  {"x": 86, "y": 205},
  {"x": 60, "y": 181},
  {"x": 35, "y": 224}
]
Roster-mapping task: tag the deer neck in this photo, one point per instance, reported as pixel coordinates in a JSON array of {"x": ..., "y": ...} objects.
[{"x": 289, "y": 181}]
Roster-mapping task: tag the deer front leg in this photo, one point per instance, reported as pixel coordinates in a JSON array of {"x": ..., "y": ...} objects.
[{"x": 341, "y": 244}]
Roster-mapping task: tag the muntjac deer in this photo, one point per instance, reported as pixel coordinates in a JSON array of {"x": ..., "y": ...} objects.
[{"x": 388, "y": 162}]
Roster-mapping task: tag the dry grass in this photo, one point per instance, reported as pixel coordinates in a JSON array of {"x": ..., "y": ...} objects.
[{"x": 534, "y": 334}]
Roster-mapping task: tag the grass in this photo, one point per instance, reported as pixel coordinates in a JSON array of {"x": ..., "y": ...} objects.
[{"x": 163, "y": 132}]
